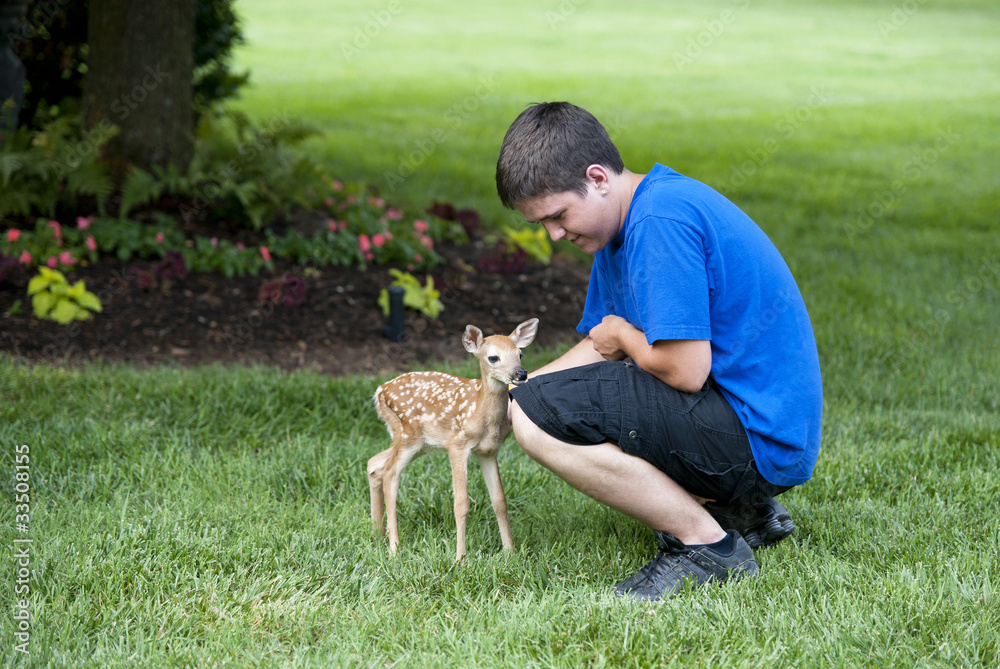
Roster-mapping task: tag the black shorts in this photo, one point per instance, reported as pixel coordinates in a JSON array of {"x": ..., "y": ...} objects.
[{"x": 694, "y": 438}]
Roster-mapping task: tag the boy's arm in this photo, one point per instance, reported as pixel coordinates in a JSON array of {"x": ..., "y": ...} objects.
[
  {"x": 683, "y": 364},
  {"x": 583, "y": 353}
]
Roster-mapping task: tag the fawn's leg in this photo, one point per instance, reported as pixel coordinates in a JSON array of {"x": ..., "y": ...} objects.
[
  {"x": 491, "y": 474},
  {"x": 376, "y": 471},
  {"x": 390, "y": 482},
  {"x": 459, "y": 457}
]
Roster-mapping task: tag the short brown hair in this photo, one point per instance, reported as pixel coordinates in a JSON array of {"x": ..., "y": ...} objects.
[{"x": 547, "y": 150}]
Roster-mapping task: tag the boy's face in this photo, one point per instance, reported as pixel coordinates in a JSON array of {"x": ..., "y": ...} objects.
[{"x": 586, "y": 221}]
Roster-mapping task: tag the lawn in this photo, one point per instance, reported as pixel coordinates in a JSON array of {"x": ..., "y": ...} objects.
[{"x": 220, "y": 516}]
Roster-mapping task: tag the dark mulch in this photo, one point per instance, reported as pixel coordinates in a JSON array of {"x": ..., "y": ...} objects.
[{"x": 338, "y": 329}]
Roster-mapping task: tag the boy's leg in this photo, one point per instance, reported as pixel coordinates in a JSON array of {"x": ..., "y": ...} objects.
[
  {"x": 574, "y": 419},
  {"x": 622, "y": 481}
]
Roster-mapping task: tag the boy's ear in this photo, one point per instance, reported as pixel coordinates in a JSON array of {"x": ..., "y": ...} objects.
[{"x": 597, "y": 175}]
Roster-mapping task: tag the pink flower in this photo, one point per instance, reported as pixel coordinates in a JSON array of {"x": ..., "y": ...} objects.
[
  {"x": 376, "y": 202},
  {"x": 66, "y": 258},
  {"x": 378, "y": 240},
  {"x": 420, "y": 225},
  {"x": 337, "y": 185},
  {"x": 239, "y": 246},
  {"x": 427, "y": 241},
  {"x": 56, "y": 231},
  {"x": 91, "y": 243},
  {"x": 52, "y": 262},
  {"x": 159, "y": 237},
  {"x": 332, "y": 224},
  {"x": 369, "y": 256},
  {"x": 13, "y": 235},
  {"x": 417, "y": 257},
  {"x": 364, "y": 243},
  {"x": 394, "y": 214},
  {"x": 329, "y": 201},
  {"x": 25, "y": 258},
  {"x": 215, "y": 242},
  {"x": 83, "y": 223},
  {"x": 265, "y": 253}
]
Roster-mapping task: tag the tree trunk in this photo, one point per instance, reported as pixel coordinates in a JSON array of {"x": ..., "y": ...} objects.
[{"x": 139, "y": 78}]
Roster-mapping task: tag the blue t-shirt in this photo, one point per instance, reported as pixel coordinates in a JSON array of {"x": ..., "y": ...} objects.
[{"x": 689, "y": 264}]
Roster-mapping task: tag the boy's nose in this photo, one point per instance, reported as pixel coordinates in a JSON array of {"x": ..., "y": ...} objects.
[{"x": 556, "y": 232}]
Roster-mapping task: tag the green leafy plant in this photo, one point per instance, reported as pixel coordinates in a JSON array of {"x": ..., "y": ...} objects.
[
  {"x": 533, "y": 242},
  {"x": 425, "y": 299},
  {"x": 42, "y": 170},
  {"x": 53, "y": 298}
]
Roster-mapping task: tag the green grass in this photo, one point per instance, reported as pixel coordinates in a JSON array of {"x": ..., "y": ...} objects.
[{"x": 220, "y": 516}]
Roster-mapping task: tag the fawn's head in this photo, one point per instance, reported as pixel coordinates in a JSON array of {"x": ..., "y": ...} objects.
[{"x": 500, "y": 355}]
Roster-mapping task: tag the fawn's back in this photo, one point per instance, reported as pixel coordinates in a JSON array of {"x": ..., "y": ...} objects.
[{"x": 439, "y": 407}]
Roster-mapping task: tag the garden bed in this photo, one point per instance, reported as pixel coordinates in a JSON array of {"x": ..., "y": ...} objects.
[{"x": 208, "y": 318}]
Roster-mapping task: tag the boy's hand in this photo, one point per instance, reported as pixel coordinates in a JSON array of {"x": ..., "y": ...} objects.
[{"x": 609, "y": 335}]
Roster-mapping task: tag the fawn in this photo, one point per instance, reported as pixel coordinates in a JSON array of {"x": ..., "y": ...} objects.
[{"x": 463, "y": 416}]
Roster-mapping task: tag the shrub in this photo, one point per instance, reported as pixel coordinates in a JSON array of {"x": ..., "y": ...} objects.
[
  {"x": 53, "y": 298},
  {"x": 45, "y": 170},
  {"x": 425, "y": 299}
]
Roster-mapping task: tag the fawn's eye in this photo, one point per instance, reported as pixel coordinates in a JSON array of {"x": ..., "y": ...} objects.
[{"x": 494, "y": 359}]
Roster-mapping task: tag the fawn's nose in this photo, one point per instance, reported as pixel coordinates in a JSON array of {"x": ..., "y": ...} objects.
[{"x": 520, "y": 375}]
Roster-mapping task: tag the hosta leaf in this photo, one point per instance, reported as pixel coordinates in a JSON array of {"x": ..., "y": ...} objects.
[
  {"x": 42, "y": 303},
  {"x": 64, "y": 312}
]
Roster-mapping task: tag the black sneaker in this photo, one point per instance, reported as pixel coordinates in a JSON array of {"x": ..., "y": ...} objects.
[
  {"x": 762, "y": 524},
  {"x": 677, "y": 564}
]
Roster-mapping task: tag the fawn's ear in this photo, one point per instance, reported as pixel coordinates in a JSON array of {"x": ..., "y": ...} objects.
[
  {"x": 524, "y": 333},
  {"x": 472, "y": 339}
]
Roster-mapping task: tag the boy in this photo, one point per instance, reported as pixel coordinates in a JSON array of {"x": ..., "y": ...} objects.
[{"x": 695, "y": 396}]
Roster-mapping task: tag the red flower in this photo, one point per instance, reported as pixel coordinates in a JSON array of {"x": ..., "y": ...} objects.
[
  {"x": 66, "y": 258},
  {"x": 364, "y": 243},
  {"x": 25, "y": 258},
  {"x": 83, "y": 223},
  {"x": 159, "y": 237},
  {"x": 265, "y": 253},
  {"x": 420, "y": 225},
  {"x": 13, "y": 235},
  {"x": 91, "y": 243},
  {"x": 378, "y": 240}
]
